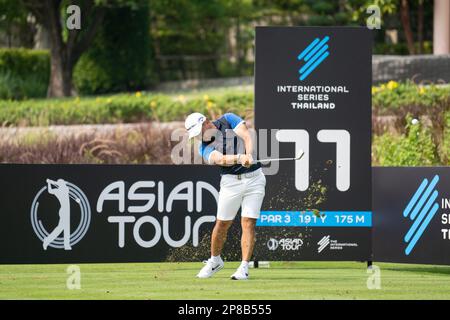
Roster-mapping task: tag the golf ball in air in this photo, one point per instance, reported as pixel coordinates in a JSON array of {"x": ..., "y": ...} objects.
[
  {"x": 414, "y": 121},
  {"x": 77, "y": 200}
]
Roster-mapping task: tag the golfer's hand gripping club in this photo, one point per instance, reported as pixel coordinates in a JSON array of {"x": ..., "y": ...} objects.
[{"x": 245, "y": 159}]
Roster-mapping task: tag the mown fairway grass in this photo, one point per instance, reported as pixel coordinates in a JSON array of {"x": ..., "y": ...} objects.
[{"x": 288, "y": 280}]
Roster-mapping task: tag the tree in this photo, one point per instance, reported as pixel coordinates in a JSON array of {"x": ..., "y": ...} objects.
[
  {"x": 407, "y": 11},
  {"x": 66, "y": 45},
  {"x": 359, "y": 8},
  {"x": 13, "y": 17},
  {"x": 120, "y": 58},
  {"x": 420, "y": 21},
  {"x": 404, "y": 17},
  {"x": 188, "y": 35},
  {"x": 241, "y": 13}
]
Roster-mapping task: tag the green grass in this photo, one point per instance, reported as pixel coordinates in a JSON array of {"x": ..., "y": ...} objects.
[{"x": 288, "y": 280}]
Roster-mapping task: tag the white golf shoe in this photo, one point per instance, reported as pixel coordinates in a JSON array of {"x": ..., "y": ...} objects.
[
  {"x": 210, "y": 268},
  {"x": 241, "y": 273}
]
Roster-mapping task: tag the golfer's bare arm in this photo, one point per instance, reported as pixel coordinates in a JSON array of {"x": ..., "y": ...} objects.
[
  {"x": 243, "y": 133},
  {"x": 220, "y": 159},
  {"x": 225, "y": 160}
]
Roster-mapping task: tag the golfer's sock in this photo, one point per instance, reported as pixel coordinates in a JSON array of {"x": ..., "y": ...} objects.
[
  {"x": 244, "y": 264},
  {"x": 215, "y": 259}
]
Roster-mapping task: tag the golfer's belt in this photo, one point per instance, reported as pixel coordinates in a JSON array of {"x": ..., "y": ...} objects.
[{"x": 246, "y": 175}]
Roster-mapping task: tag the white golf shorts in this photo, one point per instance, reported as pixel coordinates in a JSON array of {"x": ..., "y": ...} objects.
[{"x": 246, "y": 192}]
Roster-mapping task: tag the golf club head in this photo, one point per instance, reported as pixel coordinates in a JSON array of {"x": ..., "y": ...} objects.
[{"x": 300, "y": 154}]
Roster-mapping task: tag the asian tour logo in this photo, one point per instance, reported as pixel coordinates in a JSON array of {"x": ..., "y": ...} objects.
[
  {"x": 421, "y": 209},
  {"x": 286, "y": 244},
  {"x": 272, "y": 244},
  {"x": 63, "y": 191},
  {"x": 314, "y": 54}
]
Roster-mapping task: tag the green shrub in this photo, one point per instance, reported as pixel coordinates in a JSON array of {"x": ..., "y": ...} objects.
[
  {"x": 24, "y": 73},
  {"x": 401, "y": 48},
  {"x": 120, "y": 56},
  {"x": 393, "y": 97},
  {"x": 15, "y": 88},
  {"x": 429, "y": 102},
  {"x": 388, "y": 99},
  {"x": 225, "y": 69},
  {"x": 415, "y": 148},
  {"x": 446, "y": 141},
  {"x": 22, "y": 62},
  {"x": 120, "y": 108}
]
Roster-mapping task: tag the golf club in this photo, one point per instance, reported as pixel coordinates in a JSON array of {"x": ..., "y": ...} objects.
[{"x": 299, "y": 156}]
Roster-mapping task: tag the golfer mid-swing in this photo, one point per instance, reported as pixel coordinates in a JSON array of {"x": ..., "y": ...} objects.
[{"x": 242, "y": 184}]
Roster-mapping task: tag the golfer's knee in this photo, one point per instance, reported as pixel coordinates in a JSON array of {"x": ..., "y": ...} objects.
[
  {"x": 223, "y": 225},
  {"x": 248, "y": 224}
]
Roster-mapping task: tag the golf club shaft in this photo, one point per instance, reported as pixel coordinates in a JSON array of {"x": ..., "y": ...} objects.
[
  {"x": 280, "y": 159},
  {"x": 276, "y": 159}
]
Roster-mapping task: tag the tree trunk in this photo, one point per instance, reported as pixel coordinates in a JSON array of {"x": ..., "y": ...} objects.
[
  {"x": 57, "y": 87},
  {"x": 404, "y": 16},
  {"x": 9, "y": 35},
  {"x": 60, "y": 84},
  {"x": 238, "y": 45},
  {"x": 420, "y": 26}
]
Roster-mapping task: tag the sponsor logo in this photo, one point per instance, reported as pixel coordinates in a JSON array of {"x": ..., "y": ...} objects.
[
  {"x": 272, "y": 244},
  {"x": 323, "y": 243},
  {"x": 138, "y": 217},
  {"x": 331, "y": 244},
  {"x": 313, "y": 55},
  {"x": 286, "y": 244},
  {"x": 420, "y": 209},
  {"x": 62, "y": 236},
  {"x": 154, "y": 200}
]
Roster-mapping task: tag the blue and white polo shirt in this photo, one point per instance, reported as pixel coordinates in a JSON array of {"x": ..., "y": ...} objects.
[{"x": 227, "y": 143}]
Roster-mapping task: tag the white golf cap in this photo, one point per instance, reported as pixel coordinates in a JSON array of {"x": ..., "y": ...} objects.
[{"x": 194, "y": 123}]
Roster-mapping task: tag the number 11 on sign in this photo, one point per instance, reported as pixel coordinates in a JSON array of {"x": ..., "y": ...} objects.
[{"x": 301, "y": 139}]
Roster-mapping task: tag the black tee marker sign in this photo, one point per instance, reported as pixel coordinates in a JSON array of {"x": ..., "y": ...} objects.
[{"x": 313, "y": 85}]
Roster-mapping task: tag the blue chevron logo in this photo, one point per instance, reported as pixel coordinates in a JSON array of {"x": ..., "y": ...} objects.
[
  {"x": 421, "y": 209},
  {"x": 314, "y": 54}
]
